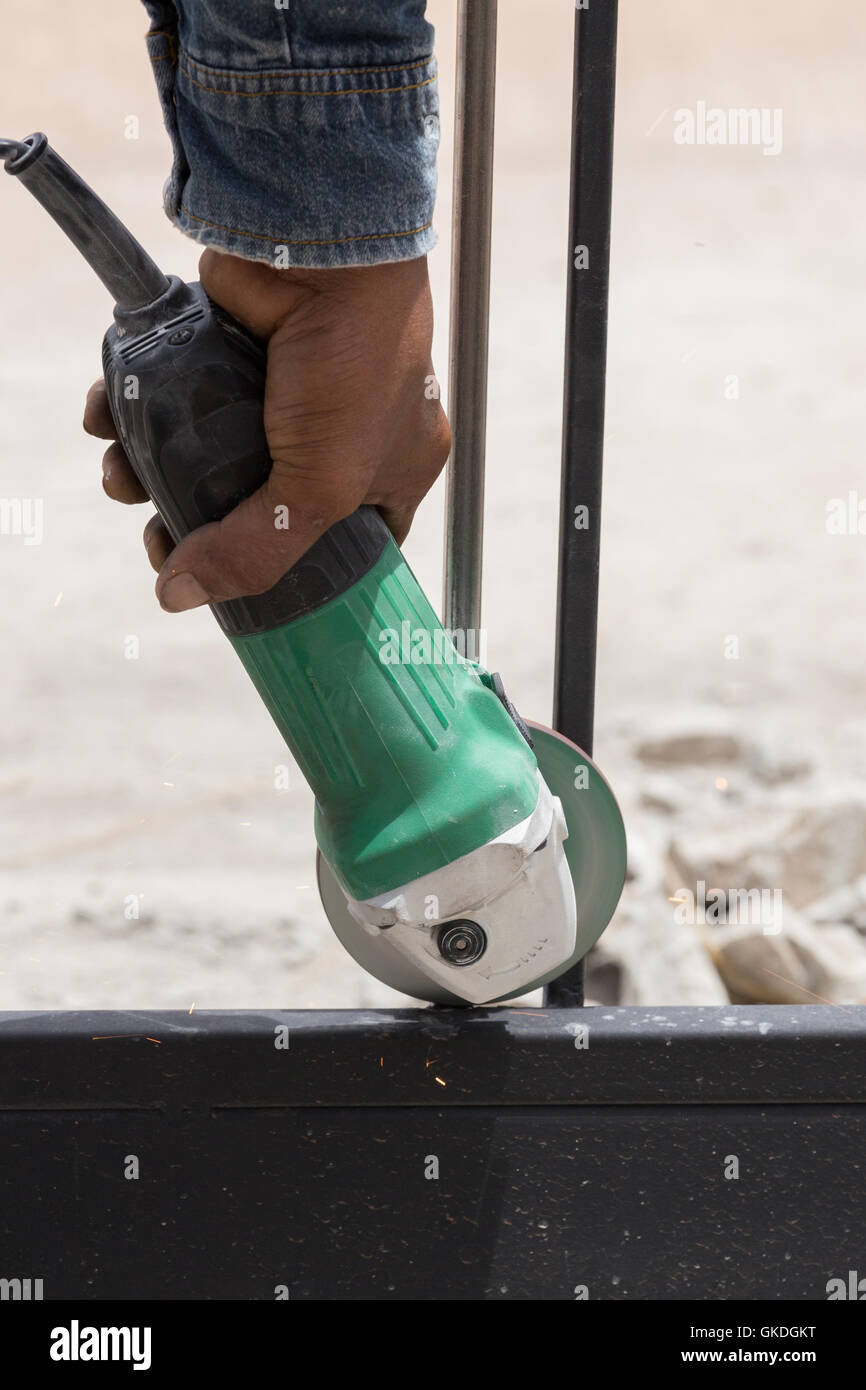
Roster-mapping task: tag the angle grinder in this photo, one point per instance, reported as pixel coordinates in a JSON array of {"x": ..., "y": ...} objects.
[{"x": 464, "y": 856}]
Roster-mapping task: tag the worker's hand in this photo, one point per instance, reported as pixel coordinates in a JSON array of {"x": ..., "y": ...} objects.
[{"x": 352, "y": 415}]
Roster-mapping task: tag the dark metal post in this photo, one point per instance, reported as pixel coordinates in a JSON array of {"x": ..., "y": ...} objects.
[
  {"x": 583, "y": 416},
  {"x": 470, "y": 308}
]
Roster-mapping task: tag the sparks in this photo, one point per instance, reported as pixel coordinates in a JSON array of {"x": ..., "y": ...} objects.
[
  {"x": 658, "y": 118},
  {"x": 192, "y": 1006},
  {"x": 58, "y": 598},
  {"x": 441, "y": 1082},
  {"x": 104, "y": 1037},
  {"x": 820, "y": 997}
]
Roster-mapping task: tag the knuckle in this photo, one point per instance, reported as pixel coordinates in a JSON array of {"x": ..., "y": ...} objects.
[
  {"x": 325, "y": 501},
  {"x": 441, "y": 441},
  {"x": 248, "y": 573}
]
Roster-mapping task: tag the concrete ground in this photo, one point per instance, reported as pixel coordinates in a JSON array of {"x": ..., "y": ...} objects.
[{"x": 735, "y": 414}]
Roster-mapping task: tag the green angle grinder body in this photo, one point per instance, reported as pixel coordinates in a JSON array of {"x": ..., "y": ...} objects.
[{"x": 459, "y": 860}]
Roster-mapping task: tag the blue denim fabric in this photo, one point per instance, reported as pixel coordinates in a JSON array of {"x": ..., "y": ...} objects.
[{"x": 305, "y": 135}]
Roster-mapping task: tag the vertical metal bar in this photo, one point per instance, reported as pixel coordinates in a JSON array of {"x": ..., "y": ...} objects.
[
  {"x": 583, "y": 414},
  {"x": 470, "y": 307}
]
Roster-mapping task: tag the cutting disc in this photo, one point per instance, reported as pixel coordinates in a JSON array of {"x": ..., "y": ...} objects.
[{"x": 595, "y": 851}]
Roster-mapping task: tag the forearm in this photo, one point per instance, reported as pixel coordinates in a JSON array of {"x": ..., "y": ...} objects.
[{"x": 304, "y": 136}]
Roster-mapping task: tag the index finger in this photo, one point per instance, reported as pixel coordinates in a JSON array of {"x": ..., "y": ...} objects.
[{"x": 97, "y": 416}]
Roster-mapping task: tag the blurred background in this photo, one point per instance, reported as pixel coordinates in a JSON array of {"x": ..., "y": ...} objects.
[{"x": 146, "y": 858}]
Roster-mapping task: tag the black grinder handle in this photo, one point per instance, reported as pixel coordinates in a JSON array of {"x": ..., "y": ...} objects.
[{"x": 185, "y": 384}]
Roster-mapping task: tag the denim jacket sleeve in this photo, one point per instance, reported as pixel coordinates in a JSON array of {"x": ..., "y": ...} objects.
[{"x": 304, "y": 132}]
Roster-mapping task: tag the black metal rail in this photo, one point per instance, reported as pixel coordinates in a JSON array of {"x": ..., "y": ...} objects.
[
  {"x": 583, "y": 412},
  {"x": 434, "y": 1153}
]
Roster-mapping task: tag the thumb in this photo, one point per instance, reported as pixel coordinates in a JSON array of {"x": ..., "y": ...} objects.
[{"x": 250, "y": 549}]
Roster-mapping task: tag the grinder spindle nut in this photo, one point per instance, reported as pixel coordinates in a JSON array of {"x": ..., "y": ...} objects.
[{"x": 461, "y": 942}]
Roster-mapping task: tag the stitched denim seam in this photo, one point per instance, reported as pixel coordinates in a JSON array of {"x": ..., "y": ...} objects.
[
  {"x": 288, "y": 241},
  {"x": 300, "y": 92},
  {"x": 172, "y": 44},
  {"x": 305, "y": 72}
]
